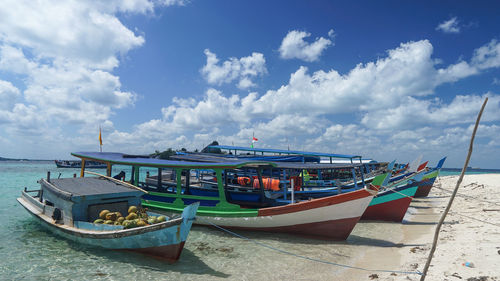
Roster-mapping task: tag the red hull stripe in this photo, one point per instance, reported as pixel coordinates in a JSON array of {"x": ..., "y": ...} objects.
[
  {"x": 170, "y": 253},
  {"x": 328, "y": 230},
  {"x": 315, "y": 203},
  {"x": 424, "y": 188},
  {"x": 393, "y": 210}
]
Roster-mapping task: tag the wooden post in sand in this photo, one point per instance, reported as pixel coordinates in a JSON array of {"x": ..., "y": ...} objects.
[{"x": 438, "y": 227}]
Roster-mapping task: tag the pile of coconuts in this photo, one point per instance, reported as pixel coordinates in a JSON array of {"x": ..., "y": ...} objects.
[{"x": 136, "y": 217}]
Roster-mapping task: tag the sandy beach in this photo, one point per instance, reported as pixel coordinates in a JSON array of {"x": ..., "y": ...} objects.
[{"x": 470, "y": 234}]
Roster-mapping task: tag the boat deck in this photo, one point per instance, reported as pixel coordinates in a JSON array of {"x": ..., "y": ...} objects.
[{"x": 89, "y": 186}]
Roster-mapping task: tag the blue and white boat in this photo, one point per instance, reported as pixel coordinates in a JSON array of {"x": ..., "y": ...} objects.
[{"x": 69, "y": 207}]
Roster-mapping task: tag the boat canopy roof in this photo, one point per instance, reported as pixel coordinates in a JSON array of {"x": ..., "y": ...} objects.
[
  {"x": 145, "y": 161},
  {"x": 316, "y": 166},
  {"x": 283, "y": 151},
  {"x": 208, "y": 157},
  {"x": 81, "y": 187},
  {"x": 278, "y": 164}
]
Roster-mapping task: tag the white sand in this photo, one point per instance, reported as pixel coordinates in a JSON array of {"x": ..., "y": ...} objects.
[{"x": 471, "y": 233}]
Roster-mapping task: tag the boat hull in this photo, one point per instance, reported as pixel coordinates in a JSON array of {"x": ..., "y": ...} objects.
[
  {"x": 425, "y": 186},
  {"x": 165, "y": 240},
  {"x": 390, "y": 206},
  {"x": 330, "y": 218}
]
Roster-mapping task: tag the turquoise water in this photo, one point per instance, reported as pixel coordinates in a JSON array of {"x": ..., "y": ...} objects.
[{"x": 454, "y": 172}]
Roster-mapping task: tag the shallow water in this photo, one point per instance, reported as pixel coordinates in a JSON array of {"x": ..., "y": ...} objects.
[{"x": 31, "y": 253}]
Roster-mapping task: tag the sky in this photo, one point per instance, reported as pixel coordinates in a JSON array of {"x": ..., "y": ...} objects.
[{"x": 382, "y": 79}]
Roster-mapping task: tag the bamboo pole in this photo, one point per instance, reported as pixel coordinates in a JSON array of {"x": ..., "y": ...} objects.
[
  {"x": 118, "y": 181},
  {"x": 443, "y": 216}
]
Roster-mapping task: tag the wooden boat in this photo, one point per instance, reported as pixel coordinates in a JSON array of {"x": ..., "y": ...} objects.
[
  {"x": 78, "y": 164},
  {"x": 424, "y": 187},
  {"x": 331, "y": 217},
  {"x": 69, "y": 206},
  {"x": 392, "y": 202}
]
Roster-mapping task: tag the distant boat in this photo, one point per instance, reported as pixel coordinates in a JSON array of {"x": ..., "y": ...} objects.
[{"x": 78, "y": 164}]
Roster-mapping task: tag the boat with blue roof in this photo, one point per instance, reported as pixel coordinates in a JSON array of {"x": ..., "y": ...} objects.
[{"x": 72, "y": 207}]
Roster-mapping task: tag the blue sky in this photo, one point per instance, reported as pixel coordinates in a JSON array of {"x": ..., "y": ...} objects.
[{"x": 386, "y": 79}]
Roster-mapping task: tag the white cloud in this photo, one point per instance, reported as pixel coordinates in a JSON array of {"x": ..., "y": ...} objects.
[
  {"x": 8, "y": 95},
  {"x": 487, "y": 56},
  {"x": 63, "y": 54},
  {"x": 449, "y": 26},
  {"x": 415, "y": 113},
  {"x": 293, "y": 46},
  {"x": 173, "y": 2},
  {"x": 70, "y": 29},
  {"x": 331, "y": 33},
  {"x": 387, "y": 95},
  {"x": 243, "y": 69}
]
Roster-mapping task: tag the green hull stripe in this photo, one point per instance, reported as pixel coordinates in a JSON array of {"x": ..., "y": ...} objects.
[
  {"x": 202, "y": 211},
  {"x": 393, "y": 196},
  {"x": 431, "y": 175}
]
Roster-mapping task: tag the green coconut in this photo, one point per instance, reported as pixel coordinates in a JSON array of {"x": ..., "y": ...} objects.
[
  {"x": 102, "y": 214},
  {"x": 120, "y": 219},
  {"x": 99, "y": 221},
  {"x": 161, "y": 219},
  {"x": 108, "y": 222},
  {"x": 111, "y": 216},
  {"x": 132, "y": 209},
  {"x": 126, "y": 223},
  {"x": 131, "y": 216},
  {"x": 152, "y": 220},
  {"x": 118, "y": 214},
  {"x": 141, "y": 223}
]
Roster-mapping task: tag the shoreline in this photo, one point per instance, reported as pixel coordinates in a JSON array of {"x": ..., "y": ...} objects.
[{"x": 470, "y": 233}]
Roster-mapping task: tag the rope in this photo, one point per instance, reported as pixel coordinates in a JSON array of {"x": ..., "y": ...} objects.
[
  {"x": 392, "y": 190},
  {"x": 305, "y": 257}
]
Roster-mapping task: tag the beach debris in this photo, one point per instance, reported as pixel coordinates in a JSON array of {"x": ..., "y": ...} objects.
[
  {"x": 373, "y": 276},
  {"x": 100, "y": 274},
  {"x": 480, "y": 278},
  {"x": 468, "y": 264},
  {"x": 394, "y": 274},
  {"x": 415, "y": 249},
  {"x": 225, "y": 249},
  {"x": 456, "y": 275},
  {"x": 414, "y": 265}
]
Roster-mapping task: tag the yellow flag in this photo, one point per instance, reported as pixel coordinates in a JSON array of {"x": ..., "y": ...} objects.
[{"x": 100, "y": 137}]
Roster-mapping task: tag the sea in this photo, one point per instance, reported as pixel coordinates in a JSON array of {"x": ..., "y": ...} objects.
[{"x": 29, "y": 252}]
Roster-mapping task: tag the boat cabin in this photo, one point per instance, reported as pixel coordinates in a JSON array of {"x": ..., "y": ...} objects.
[{"x": 69, "y": 200}]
